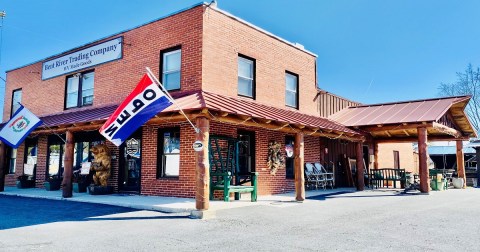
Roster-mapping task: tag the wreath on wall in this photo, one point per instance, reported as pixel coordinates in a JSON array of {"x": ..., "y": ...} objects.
[{"x": 274, "y": 157}]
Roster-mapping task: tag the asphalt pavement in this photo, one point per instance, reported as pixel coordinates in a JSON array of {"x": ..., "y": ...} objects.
[{"x": 379, "y": 220}]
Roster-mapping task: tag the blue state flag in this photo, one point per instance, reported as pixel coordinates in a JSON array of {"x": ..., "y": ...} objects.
[{"x": 19, "y": 126}]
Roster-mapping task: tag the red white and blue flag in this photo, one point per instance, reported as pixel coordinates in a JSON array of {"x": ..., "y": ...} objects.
[
  {"x": 146, "y": 100},
  {"x": 19, "y": 126}
]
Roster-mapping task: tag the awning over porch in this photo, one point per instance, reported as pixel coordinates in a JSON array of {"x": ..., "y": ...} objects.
[
  {"x": 218, "y": 108},
  {"x": 444, "y": 119}
]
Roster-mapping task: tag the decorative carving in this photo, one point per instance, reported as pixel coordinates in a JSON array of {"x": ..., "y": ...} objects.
[
  {"x": 274, "y": 158},
  {"x": 101, "y": 164}
]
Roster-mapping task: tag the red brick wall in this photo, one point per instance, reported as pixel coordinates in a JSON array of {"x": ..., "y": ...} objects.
[
  {"x": 224, "y": 38},
  {"x": 115, "y": 80},
  {"x": 184, "y": 185}
]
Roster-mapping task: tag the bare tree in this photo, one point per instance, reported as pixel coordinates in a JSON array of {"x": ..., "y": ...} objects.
[{"x": 468, "y": 83}]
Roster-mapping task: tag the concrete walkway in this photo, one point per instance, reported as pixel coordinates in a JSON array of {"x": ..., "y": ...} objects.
[{"x": 165, "y": 204}]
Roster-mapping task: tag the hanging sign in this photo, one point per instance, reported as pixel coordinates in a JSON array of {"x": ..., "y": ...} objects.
[
  {"x": 132, "y": 146},
  {"x": 88, "y": 57},
  {"x": 289, "y": 150},
  {"x": 197, "y": 146}
]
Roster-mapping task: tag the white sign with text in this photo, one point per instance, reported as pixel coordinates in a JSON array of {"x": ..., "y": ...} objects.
[{"x": 88, "y": 57}]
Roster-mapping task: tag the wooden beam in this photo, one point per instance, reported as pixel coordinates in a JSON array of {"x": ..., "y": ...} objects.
[
  {"x": 360, "y": 168},
  {"x": 3, "y": 165},
  {"x": 163, "y": 119},
  {"x": 423, "y": 160},
  {"x": 447, "y": 130},
  {"x": 202, "y": 165},
  {"x": 68, "y": 166},
  {"x": 461, "y": 163},
  {"x": 412, "y": 139},
  {"x": 64, "y": 129},
  {"x": 388, "y": 134},
  {"x": 223, "y": 114},
  {"x": 412, "y": 126},
  {"x": 299, "y": 152},
  {"x": 284, "y": 128},
  {"x": 406, "y": 133}
]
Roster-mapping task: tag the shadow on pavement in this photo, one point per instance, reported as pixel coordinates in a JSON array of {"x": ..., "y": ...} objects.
[
  {"x": 325, "y": 196},
  {"x": 22, "y": 211}
]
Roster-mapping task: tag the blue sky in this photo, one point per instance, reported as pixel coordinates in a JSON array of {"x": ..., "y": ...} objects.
[{"x": 369, "y": 51}]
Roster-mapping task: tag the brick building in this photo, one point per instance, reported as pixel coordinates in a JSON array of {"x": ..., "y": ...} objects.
[{"x": 230, "y": 77}]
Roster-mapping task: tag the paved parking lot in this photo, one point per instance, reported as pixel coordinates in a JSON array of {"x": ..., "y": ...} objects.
[{"x": 359, "y": 221}]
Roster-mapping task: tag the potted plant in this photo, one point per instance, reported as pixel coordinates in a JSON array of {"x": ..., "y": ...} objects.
[
  {"x": 79, "y": 182},
  {"x": 53, "y": 183},
  {"x": 25, "y": 181}
]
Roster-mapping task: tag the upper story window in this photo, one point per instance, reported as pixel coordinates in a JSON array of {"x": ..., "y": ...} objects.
[
  {"x": 79, "y": 91},
  {"x": 291, "y": 90},
  {"x": 246, "y": 76},
  {"x": 16, "y": 100},
  {"x": 170, "y": 64}
]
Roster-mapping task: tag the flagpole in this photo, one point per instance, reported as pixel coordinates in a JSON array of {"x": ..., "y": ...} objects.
[{"x": 171, "y": 99}]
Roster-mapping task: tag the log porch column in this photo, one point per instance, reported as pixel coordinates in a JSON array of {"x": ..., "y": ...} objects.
[
  {"x": 299, "y": 162},
  {"x": 422, "y": 159},
  {"x": 2, "y": 166},
  {"x": 461, "y": 163},
  {"x": 360, "y": 168},
  {"x": 375, "y": 153},
  {"x": 477, "y": 154},
  {"x": 68, "y": 164},
  {"x": 202, "y": 165}
]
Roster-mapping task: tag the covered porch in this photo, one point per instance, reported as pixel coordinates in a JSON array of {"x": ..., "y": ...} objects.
[{"x": 418, "y": 121}]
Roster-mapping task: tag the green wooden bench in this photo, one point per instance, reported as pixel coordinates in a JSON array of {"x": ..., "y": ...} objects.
[
  {"x": 224, "y": 170},
  {"x": 383, "y": 177},
  {"x": 224, "y": 183}
]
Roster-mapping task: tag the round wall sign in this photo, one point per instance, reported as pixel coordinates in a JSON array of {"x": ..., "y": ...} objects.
[{"x": 197, "y": 146}]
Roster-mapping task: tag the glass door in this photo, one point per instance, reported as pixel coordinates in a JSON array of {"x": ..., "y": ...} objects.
[
  {"x": 246, "y": 152},
  {"x": 130, "y": 164}
]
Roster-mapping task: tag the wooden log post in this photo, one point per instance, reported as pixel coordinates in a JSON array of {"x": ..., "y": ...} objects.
[
  {"x": 3, "y": 166},
  {"x": 422, "y": 160},
  {"x": 477, "y": 155},
  {"x": 202, "y": 165},
  {"x": 68, "y": 164},
  {"x": 299, "y": 152},
  {"x": 360, "y": 168},
  {"x": 461, "y": 163},
  {"x": 375, "y": 153}
]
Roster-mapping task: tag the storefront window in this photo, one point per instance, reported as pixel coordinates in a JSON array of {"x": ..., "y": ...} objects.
[
  {"x": 12, "y": 164},
  {"x": 56, "y": 152},
  {"x": 169, "y": 153}
]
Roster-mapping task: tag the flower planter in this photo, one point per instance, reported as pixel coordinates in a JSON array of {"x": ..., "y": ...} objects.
[
  {"x": 79, "y": 187},
  {"x": 25, "y": 183},
  {"x": 437, "y": 185},
  {"x": 52, "y": 185},
  {"x": 457, "y": 183}
]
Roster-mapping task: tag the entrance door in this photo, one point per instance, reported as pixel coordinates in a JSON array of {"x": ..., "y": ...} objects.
[
  {"x": 246, "y": 152},
  {"x": 130, "y": 164}
]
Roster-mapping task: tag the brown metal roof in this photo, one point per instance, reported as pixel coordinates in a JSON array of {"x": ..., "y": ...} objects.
[
  {"x": 238, "y": 106},
  {"x": 192, "y": 101},
  {"x": 407, "y": 112},
  {"x": 400, "y": 112},
  {"x": 79, "y": 116}
]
